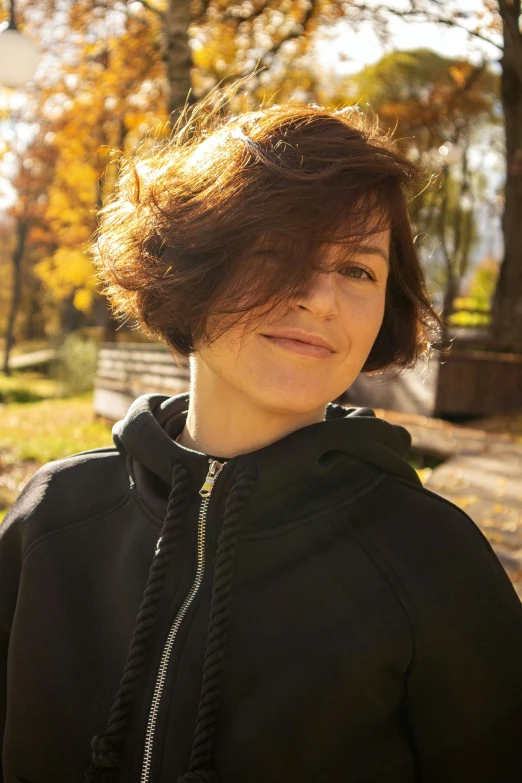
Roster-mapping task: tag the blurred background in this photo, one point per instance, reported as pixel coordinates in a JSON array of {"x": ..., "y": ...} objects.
[{"x": 82, "y": 78}]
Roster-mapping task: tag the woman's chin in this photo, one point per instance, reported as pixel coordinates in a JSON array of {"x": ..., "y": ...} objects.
[{"x": 291, "y": 399}]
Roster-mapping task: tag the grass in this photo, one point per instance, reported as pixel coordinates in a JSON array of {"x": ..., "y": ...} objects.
[
  {"x": 42, "y": 428},
  {"x": 27, "y": 387},
  {"x": 27, "y": 346},
  {"x": 38, "y": 425},
  {"x": 51, "y": 429}
]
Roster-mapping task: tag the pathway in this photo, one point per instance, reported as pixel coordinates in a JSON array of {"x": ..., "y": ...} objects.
[
  {"x": 34, "y": 359},
  {"x": 482, "y": 474}
]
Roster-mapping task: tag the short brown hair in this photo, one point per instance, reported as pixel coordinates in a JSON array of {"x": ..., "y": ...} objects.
[{"x": 174, "y": 242}]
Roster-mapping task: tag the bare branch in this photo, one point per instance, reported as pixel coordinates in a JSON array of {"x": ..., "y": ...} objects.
[
  {"x": 199, "y": 9},
  {"x": 442, "y": 225},
  {"x": 415, "y": 14},
  {"x": 297, "y": 33},
  {"x": 229, "y": 13},
  {"x": 263, "y": 62},
  {"x": 474, "y": 33},
  {"x": 146, "y": 4}
]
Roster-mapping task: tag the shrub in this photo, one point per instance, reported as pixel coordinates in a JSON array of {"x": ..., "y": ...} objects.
[{"x": 75, "y": 364}]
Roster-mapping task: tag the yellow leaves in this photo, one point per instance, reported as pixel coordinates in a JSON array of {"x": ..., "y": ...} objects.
[
  {"x": 465, "y": 501},
  {"x": 108, "y": 95},
  {"x": 136, "y": 120},
  {"x": 511, "y": 526},
  {"x": 217, "y": 49},
  {"x": 424, "y": 474},
  {"x": 460, "y": 73},
  {"x": 73, "y": 264},
  {"x": 85, "y": 99},
  {"x": 69, "y": 272},
  {"x": 83, "y": 300},
  {"x": 72, "y": 199},
  {"x": 494, "y": 537}
]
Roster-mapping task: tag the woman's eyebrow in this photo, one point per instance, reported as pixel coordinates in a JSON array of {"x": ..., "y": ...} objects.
[
  {"x": 371, "y": 250},
  {"x": 359, "y": 249}
]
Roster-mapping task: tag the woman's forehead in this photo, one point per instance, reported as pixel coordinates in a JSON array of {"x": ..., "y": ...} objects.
[
  {"x": 372, "y": 240},
  {"x": 377, "y": 242}
]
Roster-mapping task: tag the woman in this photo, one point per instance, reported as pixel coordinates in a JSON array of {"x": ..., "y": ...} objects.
[{"x": 251, "y": 585}]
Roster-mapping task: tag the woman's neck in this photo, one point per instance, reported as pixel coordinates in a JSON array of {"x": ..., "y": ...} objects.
[{"x": 223, "y": 420}]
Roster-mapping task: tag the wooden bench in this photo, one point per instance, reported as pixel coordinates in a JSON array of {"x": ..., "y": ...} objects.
[{"x": 127, "y": 370}]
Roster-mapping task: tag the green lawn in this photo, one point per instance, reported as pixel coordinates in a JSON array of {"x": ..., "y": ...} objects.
[
  {"x": 33, "y": 433},
  {"x": 37, "y": 426},
  {"x": 27, "y": 387},
  {"x": 51, "y": 429}
]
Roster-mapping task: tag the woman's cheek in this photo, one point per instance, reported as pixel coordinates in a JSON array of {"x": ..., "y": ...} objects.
[{"x": 363, "y": 313}]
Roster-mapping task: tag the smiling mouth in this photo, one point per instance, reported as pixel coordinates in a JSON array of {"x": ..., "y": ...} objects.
[{"x": 299, "y": 347}]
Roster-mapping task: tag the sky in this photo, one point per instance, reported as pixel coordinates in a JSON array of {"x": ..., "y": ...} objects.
[
  {"x": 347, "y": 51},
  {"x": 341, "y": 51}
]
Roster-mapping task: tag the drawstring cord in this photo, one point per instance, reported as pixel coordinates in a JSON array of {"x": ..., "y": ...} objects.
[
  {"x": 107, "y": 747},
  {"x": 199, "y": 766}
]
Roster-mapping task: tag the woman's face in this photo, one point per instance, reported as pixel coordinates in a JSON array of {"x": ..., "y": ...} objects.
[{"x": 344, "y": 307}]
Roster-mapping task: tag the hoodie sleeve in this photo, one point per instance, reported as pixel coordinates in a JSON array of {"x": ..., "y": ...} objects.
[
  {"x": 13, "y": 534},
  {"x": 465, "y": 692},
  {"x": 10, "y": 534}
]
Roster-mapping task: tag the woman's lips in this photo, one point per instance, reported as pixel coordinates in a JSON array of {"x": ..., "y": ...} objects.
[{"x": 296, "y": 346}]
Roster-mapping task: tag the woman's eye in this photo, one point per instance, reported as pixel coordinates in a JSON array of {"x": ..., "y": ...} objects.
[{"x": 357, "y": 273}]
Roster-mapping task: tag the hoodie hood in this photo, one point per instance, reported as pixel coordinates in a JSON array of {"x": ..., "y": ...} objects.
[
  {"x": 309, "y": 470},
  {"x": 334, "y": 457}
]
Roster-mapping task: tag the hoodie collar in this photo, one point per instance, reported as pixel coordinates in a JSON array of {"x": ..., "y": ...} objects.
[{"x": 336, "y": 456}]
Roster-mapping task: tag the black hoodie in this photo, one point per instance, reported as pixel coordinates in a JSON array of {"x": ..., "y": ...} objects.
[{"x": 317, "y": 617}]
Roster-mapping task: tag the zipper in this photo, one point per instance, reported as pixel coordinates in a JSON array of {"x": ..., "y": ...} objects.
[{"x": 214, "y": 469}]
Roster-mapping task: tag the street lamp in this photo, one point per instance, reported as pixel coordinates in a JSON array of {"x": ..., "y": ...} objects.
[
  {"x": 451, "y": 153},
  {"x": 18, "y": 56}
]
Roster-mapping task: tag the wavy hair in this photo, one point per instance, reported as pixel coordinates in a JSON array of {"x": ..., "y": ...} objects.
[{"x": 173, "y": 247}]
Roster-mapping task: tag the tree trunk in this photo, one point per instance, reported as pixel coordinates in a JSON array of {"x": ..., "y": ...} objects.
[
  {"x": 177, "y": 55},
  {"x": 22, "y": 227},
  {"x": 70, "y": 317},
  {"x": 34, "y": 326},
  {"x": 451, "y": 285},
  {"x": 450, "y": 294},
  {"x": 507, "y": 303},
  {"x": 110, "y": 327}
]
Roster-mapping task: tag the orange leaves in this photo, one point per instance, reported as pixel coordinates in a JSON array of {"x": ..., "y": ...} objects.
[
  {"x": 427, "y": 95},
  {"x": 108, "y": 94}
]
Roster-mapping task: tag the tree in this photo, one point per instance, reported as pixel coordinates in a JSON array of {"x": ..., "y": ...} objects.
[
  {"x": 132, "y": 67},
  {"x": 249, "y": 20},
  {"x": 106, "y": 96},
  {"x": 116, "y": 92},
  {"x": 499, "y": 23},
  {"x": 22, "y": 226},
  {"x": 34, "y": 164},
  {"x": 507, "y": 310},
  {"x": 431, "y": 103}
]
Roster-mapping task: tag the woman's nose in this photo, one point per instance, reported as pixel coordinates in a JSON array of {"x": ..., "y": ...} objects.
[{"x": 321, "y": 298}]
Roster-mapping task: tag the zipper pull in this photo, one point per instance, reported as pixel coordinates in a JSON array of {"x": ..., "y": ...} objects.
[{"x": 214, "y": 469}]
